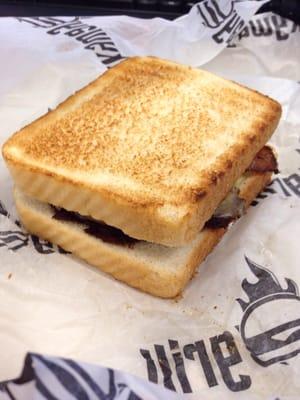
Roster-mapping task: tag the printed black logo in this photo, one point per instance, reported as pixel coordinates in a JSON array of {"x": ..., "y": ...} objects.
[
  {"x": 211, "y": 13},
  {"x": 267, "y": 340},
  {"x": 225, "y": 23},
  {"x": 15, "y": 239},
  {"x": 92, "y": 37},
  {"x": 268, "y": 303},
  {"x": 50, "y": 377},
  {"x": 280, "y": 29}
]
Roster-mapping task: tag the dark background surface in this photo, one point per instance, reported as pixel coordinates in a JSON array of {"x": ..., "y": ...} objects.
[{"x": 169, "y": 9}]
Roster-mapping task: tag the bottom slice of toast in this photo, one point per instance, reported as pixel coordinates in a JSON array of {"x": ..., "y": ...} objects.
[{"x": 156, "y": 269}]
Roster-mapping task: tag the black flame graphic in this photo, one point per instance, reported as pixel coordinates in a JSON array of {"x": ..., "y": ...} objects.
[
  {"x": 266, "y": 285},
  {"x": 276, "y": 339}
]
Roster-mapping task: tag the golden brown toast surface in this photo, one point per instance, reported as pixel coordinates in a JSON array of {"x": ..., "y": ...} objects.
[{"x": 158, "y": 142}]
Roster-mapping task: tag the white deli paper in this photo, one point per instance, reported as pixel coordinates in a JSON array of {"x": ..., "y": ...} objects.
[
  {"x": 45, "y": 377},
  {"x": 206, "y": 343}
]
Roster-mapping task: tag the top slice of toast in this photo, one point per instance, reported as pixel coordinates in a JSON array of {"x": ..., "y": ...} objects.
[{"x": 151, "y": 147}]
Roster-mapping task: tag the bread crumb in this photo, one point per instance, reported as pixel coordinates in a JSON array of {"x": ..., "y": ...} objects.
[{"x": 178, "y": 298}]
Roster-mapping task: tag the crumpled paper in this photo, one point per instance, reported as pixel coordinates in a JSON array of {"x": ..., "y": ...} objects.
[
  {"x": 207, "y": 343},
  {"x": 58, "y": 378}
]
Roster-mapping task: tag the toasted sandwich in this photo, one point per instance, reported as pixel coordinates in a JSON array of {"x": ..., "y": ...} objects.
[{"x": 140, "y": 172}]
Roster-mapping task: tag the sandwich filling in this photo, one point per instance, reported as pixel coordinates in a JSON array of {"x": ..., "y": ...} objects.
[
  {"x": 98, "y": 229},
  {"x": 230, "y": 209}
]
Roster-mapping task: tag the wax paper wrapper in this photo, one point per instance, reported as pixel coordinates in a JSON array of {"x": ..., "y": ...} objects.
[
  {"x": 60, "y": 378},
  {"x": 235, "y": 333}
]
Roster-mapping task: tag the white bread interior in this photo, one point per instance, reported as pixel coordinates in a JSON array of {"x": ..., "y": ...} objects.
[{"x": 156, "y": 269}]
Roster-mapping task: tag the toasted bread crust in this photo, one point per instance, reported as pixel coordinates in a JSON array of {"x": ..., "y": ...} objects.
[
  {"x": 162, "y": 281},
  {"x": 157, "y": 143}
]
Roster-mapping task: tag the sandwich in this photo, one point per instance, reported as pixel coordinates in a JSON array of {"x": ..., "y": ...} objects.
[{"x": 141, "y": 172}]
